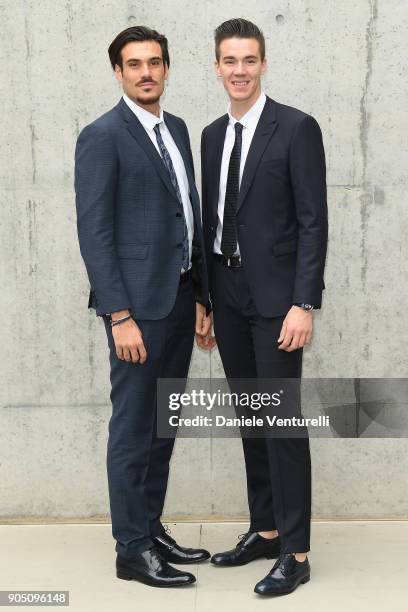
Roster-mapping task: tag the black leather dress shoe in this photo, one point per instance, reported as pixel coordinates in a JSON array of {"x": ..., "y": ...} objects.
[
  {"x": 150, "y": 568},
  {"x": 251, "y": 546},
  {"x": 285, "y": 576},
  {"x": 174, "y": 553}
]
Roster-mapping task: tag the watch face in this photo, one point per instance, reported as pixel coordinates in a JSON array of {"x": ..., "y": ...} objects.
[{"x": 305, "y": 306}]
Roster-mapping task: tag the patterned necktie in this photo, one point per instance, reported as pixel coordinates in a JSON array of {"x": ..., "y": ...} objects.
[
  {"x": 165, "y": 155},
  {"x": 229, "y": 227}
]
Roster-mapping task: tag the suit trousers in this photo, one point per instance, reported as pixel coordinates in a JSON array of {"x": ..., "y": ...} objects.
[
  {"x": 278, "y": 469},
  {"x": 138, "y": 460}
]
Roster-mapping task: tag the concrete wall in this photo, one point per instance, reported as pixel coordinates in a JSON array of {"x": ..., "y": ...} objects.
[{"x": 344, "y": 62}]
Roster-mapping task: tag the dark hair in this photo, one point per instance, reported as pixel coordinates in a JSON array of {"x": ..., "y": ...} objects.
[
  {"x": 238, "y": 28},
  {"x": 136, "y": 34}
]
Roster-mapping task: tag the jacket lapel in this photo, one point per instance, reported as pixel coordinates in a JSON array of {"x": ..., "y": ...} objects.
[
  {"x": 265, "y": 129},
  {"x": 139, "y": 134},
  {"x": 215, "y": 156},
  {"x": 180, "y": 143}
]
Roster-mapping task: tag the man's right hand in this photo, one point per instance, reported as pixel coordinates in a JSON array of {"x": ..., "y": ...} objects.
[
  {"x": 204, "y": 337},
  {"x": 128, "y": 339}
]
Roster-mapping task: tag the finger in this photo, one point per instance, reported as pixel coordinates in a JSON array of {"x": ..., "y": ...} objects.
[
  {"x": 199, "y": 324},
  {"x": 287, "y": 339},
  {"x": 142, "y": 352},
  {"x": 206, "y": 325},
  {"x": 308, "y": 337},
  {"x": 119, "y": 352},
  {"x": 201, "y": 342},
  {"x": 282, "y": 332},
  {"x": 206, "y": 342},
  {"x": 294, "y": 345},
  {"x": 200, "y": 329},
  {"x": 135, "y": 354},
  {"x": 127, "y": 355},
  {"x": 212, "y": 342},
  {"x": 302, "y": 340}
]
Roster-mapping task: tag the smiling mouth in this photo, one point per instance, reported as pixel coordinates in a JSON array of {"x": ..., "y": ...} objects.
[
  {"x": 240, "y": 83},
  {"x": 147, "y": 84}
]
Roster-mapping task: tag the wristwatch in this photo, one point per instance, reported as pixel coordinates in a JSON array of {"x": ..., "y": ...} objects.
[{"x": 306, "y": 307}]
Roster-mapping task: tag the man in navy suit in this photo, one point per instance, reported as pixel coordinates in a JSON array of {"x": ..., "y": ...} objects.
[
  {"x": 265, "y": 228},
  {"x": 139, "y": 229}
]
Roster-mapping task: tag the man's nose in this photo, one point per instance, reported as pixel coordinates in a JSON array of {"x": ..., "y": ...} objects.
[
  {"x": 239, "y": 68},
  {"x": 146, "y": 70}
]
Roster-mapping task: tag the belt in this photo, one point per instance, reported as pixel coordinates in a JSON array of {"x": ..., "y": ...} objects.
[
  {"x": 230, "y": 262},
  {"x": 185, "y": 277}
]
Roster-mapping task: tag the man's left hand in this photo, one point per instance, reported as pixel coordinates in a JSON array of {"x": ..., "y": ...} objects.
[{"x": 296, "y": 330}]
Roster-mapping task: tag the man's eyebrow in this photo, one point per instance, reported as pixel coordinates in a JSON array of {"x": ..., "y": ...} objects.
[
  {"x": 227, "y": 57},
  {"x": 137, "y": 59}
]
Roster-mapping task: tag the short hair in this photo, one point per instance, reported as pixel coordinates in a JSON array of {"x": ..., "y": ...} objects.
[
  {"x": 238, "y": 28},
  {"x": 136, "y": 34}
]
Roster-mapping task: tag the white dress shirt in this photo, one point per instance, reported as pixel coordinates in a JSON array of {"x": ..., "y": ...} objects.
[
  {"x": 249, "y": 121},
  {"x": 148, "y": 120}
]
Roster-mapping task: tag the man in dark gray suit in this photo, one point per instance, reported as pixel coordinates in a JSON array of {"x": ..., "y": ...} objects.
[{"x": 140, "y": 236}]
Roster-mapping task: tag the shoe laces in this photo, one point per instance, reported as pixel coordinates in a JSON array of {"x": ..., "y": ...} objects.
[
  {"x": 242, "y": 538},
  {"x": 167, "y": 529},
  {"x": 282, "y": 562}
]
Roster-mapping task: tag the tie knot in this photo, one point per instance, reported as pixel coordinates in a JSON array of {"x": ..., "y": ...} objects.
[
  {"x": 238, "y": 128},
  {"x": 157, "y": 129}
]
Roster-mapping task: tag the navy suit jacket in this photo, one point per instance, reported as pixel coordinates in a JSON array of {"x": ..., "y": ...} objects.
[
  {"x": 282, "y": 209},
  {"x": 128, "y": 216}
]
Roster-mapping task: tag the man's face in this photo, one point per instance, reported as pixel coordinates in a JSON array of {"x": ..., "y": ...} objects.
[
  {"x": 241, "y": 67},
  {"x": 144, "y": 73}
]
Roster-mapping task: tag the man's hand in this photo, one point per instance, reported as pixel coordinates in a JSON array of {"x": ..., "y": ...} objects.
[
  {"x": 128, "y": 339},
  {"x": 296, "y": 330},
  {"x": 204, "y": 337}
]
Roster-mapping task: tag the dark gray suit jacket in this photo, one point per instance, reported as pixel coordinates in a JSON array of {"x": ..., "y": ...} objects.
[{"x": 128, "y": 216}]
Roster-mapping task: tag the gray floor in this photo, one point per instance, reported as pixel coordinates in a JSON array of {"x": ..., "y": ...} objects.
[{"x": 356, "y": 566}]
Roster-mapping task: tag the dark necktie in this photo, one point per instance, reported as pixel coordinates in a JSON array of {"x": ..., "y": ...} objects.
[
  {"x": 165, "y": 155},
  {"x": 229, "y": 227}
]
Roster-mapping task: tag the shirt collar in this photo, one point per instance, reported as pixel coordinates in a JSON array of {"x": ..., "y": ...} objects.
[
  {"x": 148, "y": 120},
  {"x": 251, "y": 117}
]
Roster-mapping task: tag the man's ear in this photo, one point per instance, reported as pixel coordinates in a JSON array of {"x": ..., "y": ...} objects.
[
  {"x": 118, "y": 73},
  {"x": 217, "y": 68},
  {"x": 264, "y": 65},
  {"x": 166, "y": 71}
]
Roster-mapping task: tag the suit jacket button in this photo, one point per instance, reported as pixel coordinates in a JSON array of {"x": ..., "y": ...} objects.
[
  {"x": 178, "y": 214},
  {"x": 180, "y": 244}
]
